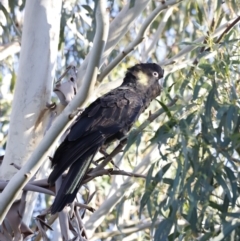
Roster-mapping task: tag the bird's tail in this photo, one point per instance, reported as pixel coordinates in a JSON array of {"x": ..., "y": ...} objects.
[{"x": 73, "y": 180}]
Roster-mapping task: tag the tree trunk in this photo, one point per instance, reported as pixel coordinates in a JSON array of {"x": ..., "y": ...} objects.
[
  {"x": 34, "y": 83},
  {"x": 29, "y": 114}
]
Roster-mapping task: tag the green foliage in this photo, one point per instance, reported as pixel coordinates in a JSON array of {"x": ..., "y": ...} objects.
[{"x": 197, "y": 181}]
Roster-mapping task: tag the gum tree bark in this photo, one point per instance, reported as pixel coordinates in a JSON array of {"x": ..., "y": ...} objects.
[{"x": 29, "y": 114}]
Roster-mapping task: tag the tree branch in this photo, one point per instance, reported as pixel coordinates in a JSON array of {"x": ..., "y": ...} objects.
[
  {"x": 50, "y": 221},
  {"x": 138, "y": 39},
  {"x": 204, "y": 49},
  {"x": 229, "y": 27},
  {"x": 157, "y": 34},
  {"x": 127, "y": 230},
  {"x": 9, "y": 49},
  {"x": 20, "y": 179}
]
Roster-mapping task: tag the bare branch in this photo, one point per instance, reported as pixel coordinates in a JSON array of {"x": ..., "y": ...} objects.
[
  {"x": 137, "y": 227},
  {"x": 84, "y": 206},
  {"x": 109, "y": 157},
  {"x": 29, "y": 187},
  {"x": 80, "y": 224},
  {"x": 9, "y": 49},
  {"x": 93, "y": 174}
]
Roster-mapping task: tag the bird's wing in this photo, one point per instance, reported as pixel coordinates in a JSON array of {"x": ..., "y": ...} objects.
[
  {"x": 106, "y": 118},
  {"x": 111, "y": 113}
]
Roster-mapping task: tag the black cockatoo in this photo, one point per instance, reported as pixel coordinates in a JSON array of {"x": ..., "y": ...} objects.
[{"x": 108, "y": 118}]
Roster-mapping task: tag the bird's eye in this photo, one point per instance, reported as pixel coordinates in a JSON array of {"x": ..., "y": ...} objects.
[{"x": 155, "y": 74}]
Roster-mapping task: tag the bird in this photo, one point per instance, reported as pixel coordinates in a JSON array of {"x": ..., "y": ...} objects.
[{"x": 108, "y": 118}]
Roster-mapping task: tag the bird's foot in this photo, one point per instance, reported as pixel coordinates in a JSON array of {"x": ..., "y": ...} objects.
[
  {"x": 78, "y": 111},
  {"x": 51, "y": 106}
]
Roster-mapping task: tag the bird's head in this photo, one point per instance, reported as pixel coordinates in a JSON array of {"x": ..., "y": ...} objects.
[{"x": 144, "y": 75}]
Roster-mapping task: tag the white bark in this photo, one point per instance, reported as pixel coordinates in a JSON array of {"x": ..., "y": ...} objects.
[
  {"x": 121, "y": 24},
  {"x": 34, "y": 82}
]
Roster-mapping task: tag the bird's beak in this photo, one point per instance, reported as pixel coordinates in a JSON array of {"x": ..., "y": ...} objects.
[{"x": 161, "y": 81}]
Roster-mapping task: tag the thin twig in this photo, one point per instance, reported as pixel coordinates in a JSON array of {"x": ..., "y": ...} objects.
[
  {"x": 195, "y": 62},
  {"x": 82, "y": 205},
  {"x": 80, "y": 224},
  {"x": 49, "y": 222},
  {"x": 93, "y": 174},
  {"x": 109, "y": 157},
  {"x": 229, "y": 27}
]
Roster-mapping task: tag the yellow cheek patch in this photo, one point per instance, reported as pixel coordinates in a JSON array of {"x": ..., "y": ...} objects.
[{"x": 142, "y": 78}]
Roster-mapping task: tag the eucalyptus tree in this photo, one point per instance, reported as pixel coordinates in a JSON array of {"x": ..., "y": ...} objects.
[{"x": 177, "y": 177}]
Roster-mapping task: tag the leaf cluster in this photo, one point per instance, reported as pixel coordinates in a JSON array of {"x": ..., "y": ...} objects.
[{"x": 194, "y": 186}]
